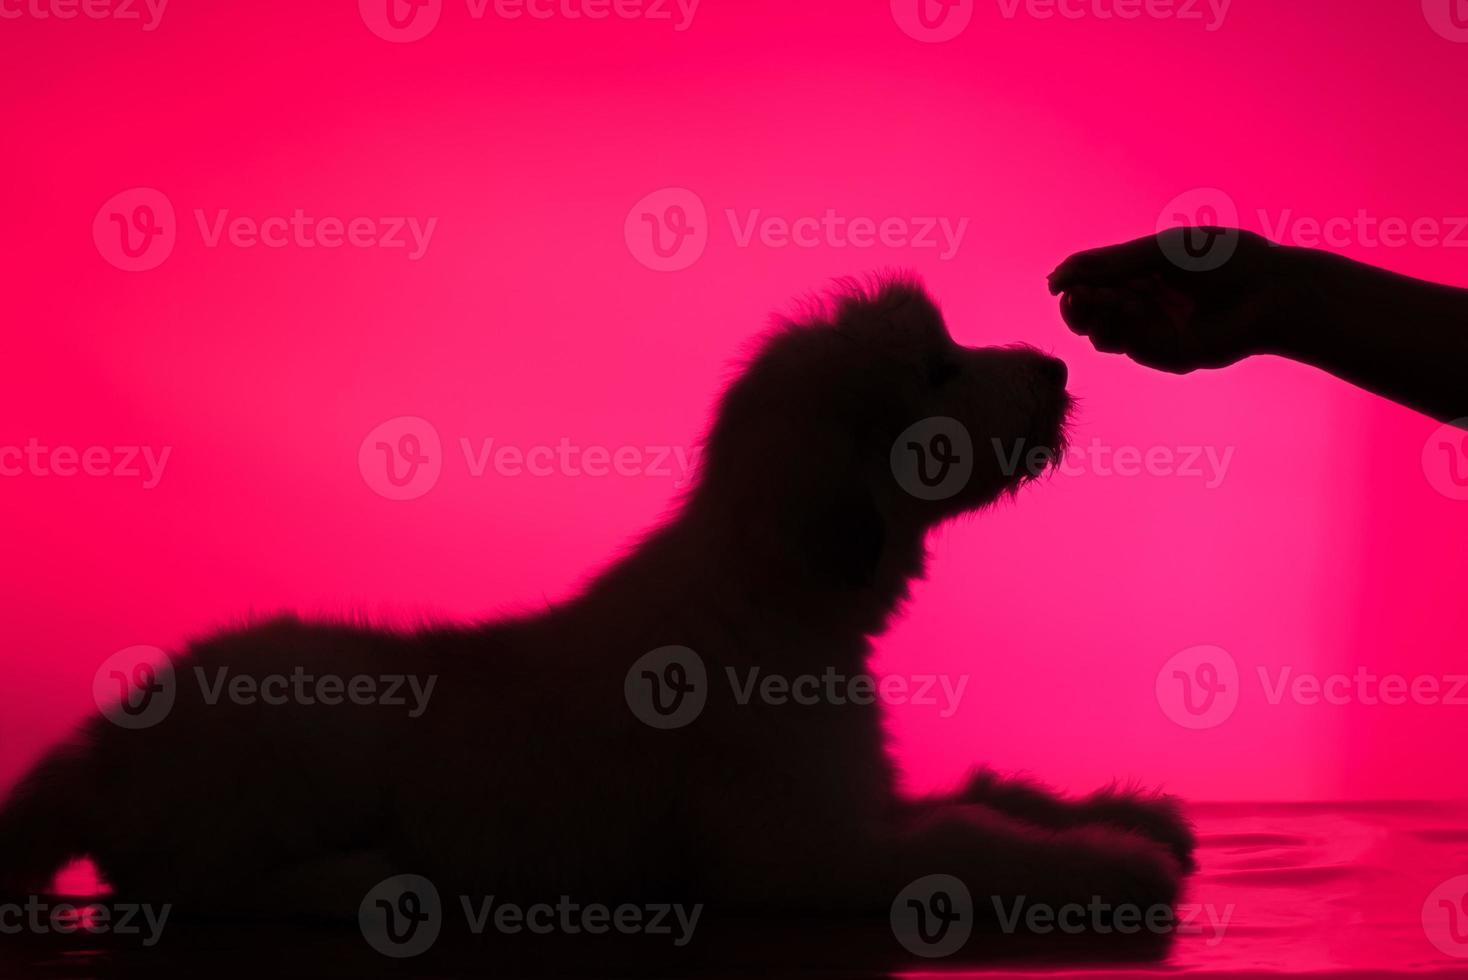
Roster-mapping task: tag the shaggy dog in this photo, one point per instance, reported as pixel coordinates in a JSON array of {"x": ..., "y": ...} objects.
[{"x": 537, "y": 769}]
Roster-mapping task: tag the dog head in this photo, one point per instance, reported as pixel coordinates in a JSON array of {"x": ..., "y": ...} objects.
[{"x": 864, "y": 422}]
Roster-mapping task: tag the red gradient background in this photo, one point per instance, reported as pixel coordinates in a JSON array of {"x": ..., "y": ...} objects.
[{"x": 1326, "y": 547}]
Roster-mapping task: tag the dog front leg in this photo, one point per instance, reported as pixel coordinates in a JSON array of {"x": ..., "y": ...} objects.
[
  {"x": 1152, "y": 815},
  {"x": 1001, "y": 860}
]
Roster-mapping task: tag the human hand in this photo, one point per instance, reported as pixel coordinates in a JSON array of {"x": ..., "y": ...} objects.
[{"x": 1155, "y": 301}]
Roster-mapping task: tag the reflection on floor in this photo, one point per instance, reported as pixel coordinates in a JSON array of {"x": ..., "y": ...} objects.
[{"x": 1369, "y": 889}]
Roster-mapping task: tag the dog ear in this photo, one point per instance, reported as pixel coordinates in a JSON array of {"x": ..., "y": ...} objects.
[{"x": 845, "y": 536}]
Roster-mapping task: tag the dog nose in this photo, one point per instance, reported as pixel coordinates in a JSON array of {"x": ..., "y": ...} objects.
[{"x": 1053, "y": 370}]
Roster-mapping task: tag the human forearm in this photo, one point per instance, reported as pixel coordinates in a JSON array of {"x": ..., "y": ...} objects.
[{"x": 1402, "y": 338}]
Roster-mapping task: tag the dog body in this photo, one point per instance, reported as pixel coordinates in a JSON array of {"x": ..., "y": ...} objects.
[{"x": 529, "y": 773}]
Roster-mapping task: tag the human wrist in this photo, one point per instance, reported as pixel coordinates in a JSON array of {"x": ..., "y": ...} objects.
[{"x": 1301, "y": 296}]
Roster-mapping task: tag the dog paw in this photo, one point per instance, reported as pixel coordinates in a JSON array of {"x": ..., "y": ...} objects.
[
  {"x": 1120, "y": 873},
  {"x": 1156, "y": 817}
]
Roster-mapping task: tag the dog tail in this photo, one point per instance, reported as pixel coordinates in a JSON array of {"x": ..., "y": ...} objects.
[{"x": 46, "y": 820}]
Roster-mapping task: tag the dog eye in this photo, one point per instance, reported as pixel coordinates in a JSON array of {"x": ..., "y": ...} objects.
[{"x": 941, "y": 370}]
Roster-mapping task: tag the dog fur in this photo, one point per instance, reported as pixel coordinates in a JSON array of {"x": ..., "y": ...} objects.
[{"x": 528, "y": 776}]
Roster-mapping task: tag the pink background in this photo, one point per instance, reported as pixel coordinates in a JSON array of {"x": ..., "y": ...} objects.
[{"x": 529, "y": 320}]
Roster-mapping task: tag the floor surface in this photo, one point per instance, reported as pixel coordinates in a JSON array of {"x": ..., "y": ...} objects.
[{"x": 1365, "y": 890}]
